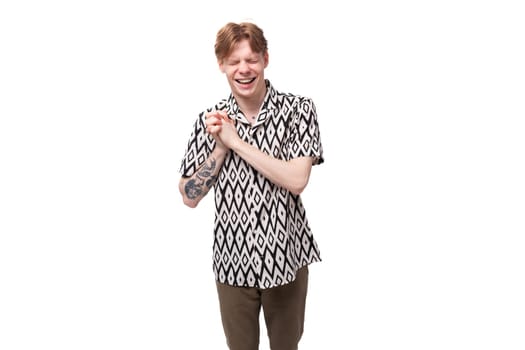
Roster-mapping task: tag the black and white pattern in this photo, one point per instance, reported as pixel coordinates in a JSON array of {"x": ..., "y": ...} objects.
[{"x": 262, "y": 236}]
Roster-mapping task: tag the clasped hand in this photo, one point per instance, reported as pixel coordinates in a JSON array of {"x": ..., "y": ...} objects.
[{"x": 222, "y": 128}]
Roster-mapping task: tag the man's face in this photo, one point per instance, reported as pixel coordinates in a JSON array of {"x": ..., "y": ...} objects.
[{"x": 244, "y": 70}]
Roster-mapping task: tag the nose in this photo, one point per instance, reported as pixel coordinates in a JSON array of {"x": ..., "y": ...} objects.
[{"x": 243, "y": 66}]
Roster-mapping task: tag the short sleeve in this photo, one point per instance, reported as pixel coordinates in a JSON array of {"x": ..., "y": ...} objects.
[
  {"x": 305, "y": 138},
  {"x": 199, "y": 147}
]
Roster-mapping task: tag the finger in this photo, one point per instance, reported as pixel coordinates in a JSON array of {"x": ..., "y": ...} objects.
[
  {"x": 230, "y": 120},
  {"x": 213, "y": 114},
  {"x": 213, "y": 121},
  {"x": 224, "y": 115},
  {"x": 214, "y": 129}
]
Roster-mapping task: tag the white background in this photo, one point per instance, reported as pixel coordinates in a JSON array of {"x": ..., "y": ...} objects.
[{"x": 418, "y": 209}]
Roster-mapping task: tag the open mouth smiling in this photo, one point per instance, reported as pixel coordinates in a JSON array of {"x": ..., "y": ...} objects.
[{"x": 245, "y": 81}]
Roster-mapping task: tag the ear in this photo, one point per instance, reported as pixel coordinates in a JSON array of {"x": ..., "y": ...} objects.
[
  {"x": 221, "y": 65},
  {"x": 266, "y": 58}
]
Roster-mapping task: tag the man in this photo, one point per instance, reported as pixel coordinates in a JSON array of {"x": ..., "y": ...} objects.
[{"x": 256, "y": 149}]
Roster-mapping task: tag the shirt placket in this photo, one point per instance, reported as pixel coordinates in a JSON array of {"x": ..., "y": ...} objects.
[
  {"x": 254, "y": 202},
  {"x": 255, "y": 258}
]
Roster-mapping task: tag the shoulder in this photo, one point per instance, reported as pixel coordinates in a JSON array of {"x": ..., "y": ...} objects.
[
  {"x": 291, "y": 100},
  {"x": 221, "y": 105}
]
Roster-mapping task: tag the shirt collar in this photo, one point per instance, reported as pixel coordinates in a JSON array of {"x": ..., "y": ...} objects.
[{"x": 268, "y": 105}]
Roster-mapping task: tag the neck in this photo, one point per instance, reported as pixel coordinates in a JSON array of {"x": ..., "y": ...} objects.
[{"x": 251, "y": 106}]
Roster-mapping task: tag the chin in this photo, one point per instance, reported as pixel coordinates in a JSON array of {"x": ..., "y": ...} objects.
[{"x": 245, "y": 90}]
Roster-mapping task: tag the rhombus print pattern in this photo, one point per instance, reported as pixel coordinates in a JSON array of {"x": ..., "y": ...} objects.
[{"x": 261, "y": 235}]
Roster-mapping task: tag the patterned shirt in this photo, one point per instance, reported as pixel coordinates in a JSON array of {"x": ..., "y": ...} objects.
[{"x": 261, "y": 233}]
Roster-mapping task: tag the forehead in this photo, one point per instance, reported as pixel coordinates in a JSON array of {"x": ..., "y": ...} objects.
[{"x": 242, "y": 49}]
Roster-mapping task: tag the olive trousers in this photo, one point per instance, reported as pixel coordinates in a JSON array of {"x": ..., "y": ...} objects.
[{"x": 283, "y": 308}]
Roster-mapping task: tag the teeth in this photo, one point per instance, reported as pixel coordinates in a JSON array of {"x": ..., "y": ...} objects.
[{"x": 244, "y": 81}]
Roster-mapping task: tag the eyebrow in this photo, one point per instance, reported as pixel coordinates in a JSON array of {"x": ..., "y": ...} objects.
[{"x": 250, "y": 58}]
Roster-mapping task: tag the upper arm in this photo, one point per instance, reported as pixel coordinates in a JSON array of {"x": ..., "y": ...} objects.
[{"x": 305, "y": 140}]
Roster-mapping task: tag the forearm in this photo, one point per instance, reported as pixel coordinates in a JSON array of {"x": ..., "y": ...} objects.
[
  {"x": 292, "y": 175},
  {"x": 197, "y": 186}
]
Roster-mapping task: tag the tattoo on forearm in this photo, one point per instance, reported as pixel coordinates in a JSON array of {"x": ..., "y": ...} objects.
[{"x": 203, "y": 181}]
